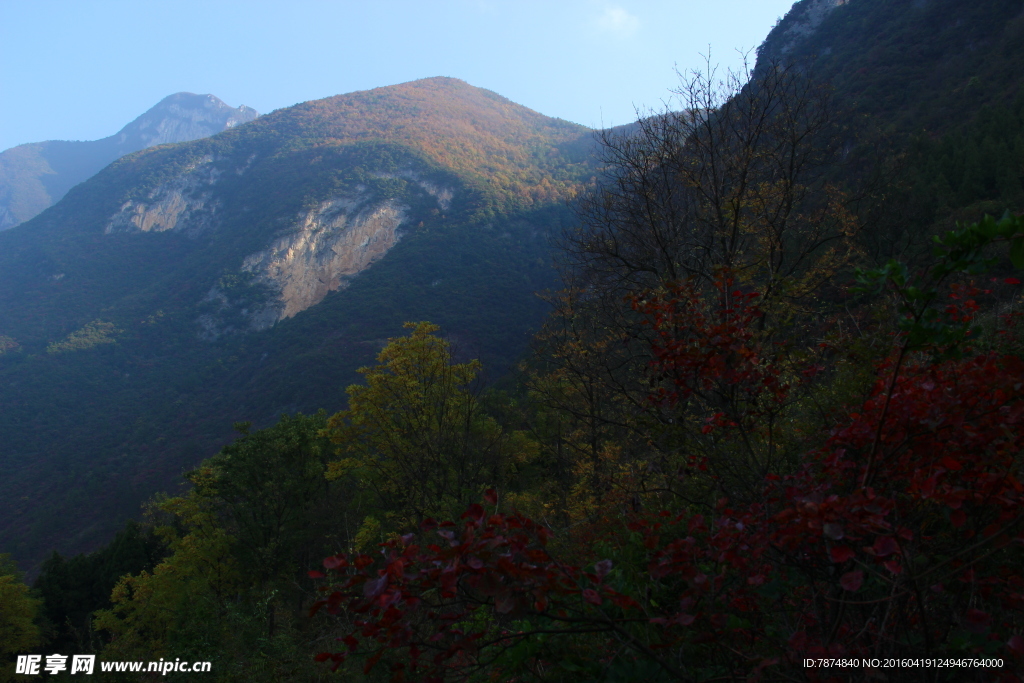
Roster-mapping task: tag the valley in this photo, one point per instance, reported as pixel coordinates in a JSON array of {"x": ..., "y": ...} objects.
[{"x": 416, "y": 383}]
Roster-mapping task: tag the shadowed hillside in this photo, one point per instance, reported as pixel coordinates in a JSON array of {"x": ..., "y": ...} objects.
[{"x": 189, "y": 286}]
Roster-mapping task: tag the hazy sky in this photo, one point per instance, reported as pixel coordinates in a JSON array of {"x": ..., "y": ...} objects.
[{"x": 81, "y": 69}]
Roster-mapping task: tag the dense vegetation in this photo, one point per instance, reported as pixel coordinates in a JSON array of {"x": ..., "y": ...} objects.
[
  {"x": 776, "y": 413},
  {"x": 881, "y": 460},
  {"x": 909, "y": 65}
]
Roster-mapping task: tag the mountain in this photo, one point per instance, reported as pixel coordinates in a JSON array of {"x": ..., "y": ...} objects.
[
  {"x": 249, "y": 274},
  {"x": 906, "y": 65},
  {"x": 930, "y": 94},
  {"x": 36, "y": 175}
]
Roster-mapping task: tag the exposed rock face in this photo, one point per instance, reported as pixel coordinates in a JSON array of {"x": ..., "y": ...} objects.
[
  {"x": 332, "y": 242},
  {"x": 185, "y": 203},
  {"x": 319, "y": 253},
  {"x": 286, "y": 205},
  {"x": 35, "y": 176},
  {"x": 808, "y": 18},
  {"x": 443, "y": 195}
]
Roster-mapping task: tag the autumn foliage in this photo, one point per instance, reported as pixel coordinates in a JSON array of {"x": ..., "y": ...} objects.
[{"x": 899, "y": 536}]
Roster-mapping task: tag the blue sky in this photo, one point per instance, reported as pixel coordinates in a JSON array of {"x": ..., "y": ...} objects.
[{"x": 81, "y": 69}]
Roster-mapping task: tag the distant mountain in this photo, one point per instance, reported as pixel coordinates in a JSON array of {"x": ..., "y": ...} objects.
[
  {"x": 186, "y": 287},
  {"x": 35, "y": 176}
]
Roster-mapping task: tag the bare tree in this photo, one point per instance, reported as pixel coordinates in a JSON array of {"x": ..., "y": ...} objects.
[
  {"x": 740, "y": 177},
  {"x": 736, "y": 177}
]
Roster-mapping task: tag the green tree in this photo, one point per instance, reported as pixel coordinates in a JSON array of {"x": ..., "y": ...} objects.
[
  {"x": 415, "y": 437},
  {"x": 72, "y": 589},
  {"x": 234, "y": 589},
  {"x": 18, "y": 610},
  {"x": 269, "y": 492}
]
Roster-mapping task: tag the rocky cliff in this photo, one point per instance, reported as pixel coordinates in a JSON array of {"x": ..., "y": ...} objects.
[{"x": 184, "y": 203}]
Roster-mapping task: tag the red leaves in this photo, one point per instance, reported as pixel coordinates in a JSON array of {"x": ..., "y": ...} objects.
[
  {"x": 833, "y": 530},
  {"x": 977, "y": 621},
  {"x": 852, "y": 581},
  {"x": 708, "y": 346},
  {"x": 498, "y": 562},
  {"x": 372, "y": 661},
  {"x": 951, "y": 463},
  {"x": 880, "y": 510},
  {"x": 335, "y": 562},
  {"x": 680, "y": 619},
  {"x": 884, "y": 546},
  {"x": 505, "y": 603},
  {"x": 372, "y": 589},
  {"x": 621, "y": 601},
  {"x": 840, "y": 554}
]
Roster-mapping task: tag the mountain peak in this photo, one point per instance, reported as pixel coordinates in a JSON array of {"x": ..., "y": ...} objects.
[
  {"x": 916, "y": 64},
  {"x": 458, "y": 125},
  {"x": 182, "y": 117},
  {"x": 36, "y": 175}
]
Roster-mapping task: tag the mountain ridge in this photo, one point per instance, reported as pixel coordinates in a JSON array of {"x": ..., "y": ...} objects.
[
  {"x": 34, "y": 176},
  {"x": 905, "y": 65}
]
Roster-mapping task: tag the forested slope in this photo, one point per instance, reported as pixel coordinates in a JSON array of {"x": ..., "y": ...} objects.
[
  {"x": 909, "y": 65},
  {"x": 189, "y": 286}
]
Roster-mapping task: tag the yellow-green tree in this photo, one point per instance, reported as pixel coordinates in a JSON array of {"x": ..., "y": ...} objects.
[
  {"x": 18, "y": 609},
  {"x": 186, "y": 591},
  {"x": 415, "y": 437}
]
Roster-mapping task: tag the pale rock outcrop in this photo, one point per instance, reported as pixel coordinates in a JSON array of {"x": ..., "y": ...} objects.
[
  {"x": 318, "y": 254},
  {"x": 442, "y": 194},
  {"x": 184, "y": 203},
  {"x": 332, "y": 242}
]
